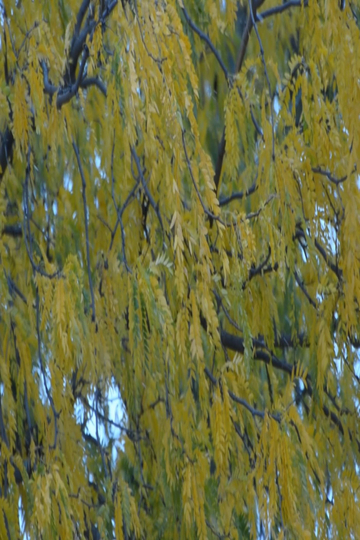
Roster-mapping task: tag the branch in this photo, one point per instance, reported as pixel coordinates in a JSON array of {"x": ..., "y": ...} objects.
[
  {"x": 206, "y": 210},
  {"x": 94, "y": 81},
  {"x": 337, "y": 271},
  {"x": 26, "y": 227},
  {"x": 255, "y": 214},
  {"x": 333, "y": 180},
  {"x": 252, "y": 14},
  {"x": 145, "y": 187},
  {"x": 49, "y": 88},
  {"x": 251, "y": 409},
  {"x": 304, "y": 290},
  {"x": 12, "y": 230},
  {"x": 83, "y": 181},
  {"x": 65, "y": 95},
  {"x": 119, "y": 214},
  {"x": 239, "y": 63},
  {"x": 238, "y": 195},
  {"x": 241, "y": 401},
  {"x": 80, "y": 16},
  {"x": 6, "y": 150},
  {"x": 207, "y": 40},
  {"x": 79, "y": 39},
  {"x": 13, "y": 288},
  {"x": 42, "y": 368},
  {"x": 280, "y": 9},
  {"x": 236, "y": 343},
  {"x": 299, "y": 233},
  {"x": 257, "y": 126}
]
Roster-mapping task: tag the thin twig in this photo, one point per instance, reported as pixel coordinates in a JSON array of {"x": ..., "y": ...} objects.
[
  {"x": 255, "y": 214},
  {"x": 158, "y": 61},
  {"x": 83, "y": 181}
]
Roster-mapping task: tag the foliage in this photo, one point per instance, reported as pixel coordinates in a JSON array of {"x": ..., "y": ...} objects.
[{"x": 179, "y": 220}]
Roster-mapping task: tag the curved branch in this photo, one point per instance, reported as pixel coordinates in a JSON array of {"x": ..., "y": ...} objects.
[
  {"x": 94, "y": 81},
  {"x": 207, "y": 40}
]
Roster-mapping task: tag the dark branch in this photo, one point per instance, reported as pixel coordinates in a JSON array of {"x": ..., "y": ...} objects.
[
  {"x": 12, "y": 230},
  {"x": 80, "y": 16},
  {"x": 94, "y": 81},
  {"x": 239, "y": 400},
  {"x": 236, "y": 343},
  {"x": 6, "y": 150},
  {"x": 304, "y": 290},
  {"x": 238, "y": 195},
  {"x": 145, "y": 187},
  {"x": 329, "y": 176},
  {"x": 280, "y": 9},
  {"x": 207, "y": 40}
]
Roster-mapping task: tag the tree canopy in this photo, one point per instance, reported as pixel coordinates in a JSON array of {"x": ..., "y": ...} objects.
[{"x": 179, "y": 238}]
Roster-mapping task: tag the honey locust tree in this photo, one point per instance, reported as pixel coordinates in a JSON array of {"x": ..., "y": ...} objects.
[{"x": 179, "y": 237}]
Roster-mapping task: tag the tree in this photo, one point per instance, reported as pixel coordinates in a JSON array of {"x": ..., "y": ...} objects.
[{"x": 179, "y": 217}]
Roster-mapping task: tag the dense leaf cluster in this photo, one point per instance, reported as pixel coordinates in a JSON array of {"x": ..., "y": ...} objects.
[{"x": 179, "y": 284}]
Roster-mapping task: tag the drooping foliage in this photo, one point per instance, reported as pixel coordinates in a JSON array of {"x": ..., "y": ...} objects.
[{"x": 179, "y": 242}]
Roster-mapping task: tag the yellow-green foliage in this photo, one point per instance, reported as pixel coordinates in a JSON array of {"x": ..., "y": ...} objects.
[{"x": 179, "y": 239}]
